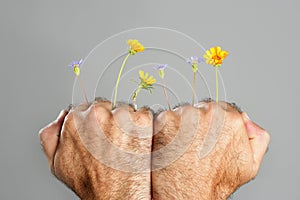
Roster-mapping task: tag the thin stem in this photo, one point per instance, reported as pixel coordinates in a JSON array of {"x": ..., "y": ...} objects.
[
  {"x": 166, "y": 95},
  {"x": 118, "y": 80},
  {"x": 193, "y": 89},
  {"x": 134, "y": 96},
  {"x": 82, "y": 87},
  {"x": 134, "y": 104},
  {"x": 217, "y": 86}
]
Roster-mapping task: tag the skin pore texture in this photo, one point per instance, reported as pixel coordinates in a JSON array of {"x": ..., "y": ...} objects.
[{"x": 201, "y": 152}]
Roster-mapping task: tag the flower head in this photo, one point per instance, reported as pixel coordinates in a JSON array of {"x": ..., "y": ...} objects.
[
  {"x": 215, "y": 56},
  {"x": 75, "y": 65},
  {"x": 194, "y": 61},
  {"x": 135, "y": 46},
  {"x": 146, "y": 80},
  {"x": 146, "y": 83},
  {"x": 161, "y": 69}
]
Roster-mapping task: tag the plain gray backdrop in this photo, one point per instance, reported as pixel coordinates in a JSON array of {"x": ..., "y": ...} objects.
[{"x": 39, "y": 38}]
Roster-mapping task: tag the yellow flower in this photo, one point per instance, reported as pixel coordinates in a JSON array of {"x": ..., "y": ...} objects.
[
  {"x": 146, "y": 80},
  {"x": 215, "y": 56},
  {"x": 135, "y": 46},
  {"x": 146, "y": 83}
]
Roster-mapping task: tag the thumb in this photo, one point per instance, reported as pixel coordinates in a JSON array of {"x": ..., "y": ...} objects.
[
  {"x": 259, "y": 140},
  {"x": 49, "y": 137}
]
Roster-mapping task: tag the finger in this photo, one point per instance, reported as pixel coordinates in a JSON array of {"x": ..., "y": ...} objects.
[
  {"x": 103, "y": 103},
  {"x": 49, "y": 137},
  {"x": 259, "y": 140}
]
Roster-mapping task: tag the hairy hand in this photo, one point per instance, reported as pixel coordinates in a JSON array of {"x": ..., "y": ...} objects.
[
  {"x": 205, "y": 152},
  {"x": 197, "y": 153},
  {"x": 99, "y": 153}
]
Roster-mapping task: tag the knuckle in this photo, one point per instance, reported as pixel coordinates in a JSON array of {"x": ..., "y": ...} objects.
[
  {"x": 102, "y": 103},
  {"x": 125, "y": 106},
  {"x": 69, "y": 119},
  {"x": 122, "y": 114},
  {"x": 43, "y": 133},
  {"x": 82, "y": 107},
  {"x": 266, "y": 135},
  {"x": 101, "y": 109},
  {"x": 144, "y": 117}
]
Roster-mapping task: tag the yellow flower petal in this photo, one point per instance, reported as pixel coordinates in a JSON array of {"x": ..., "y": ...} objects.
[
  {"x": 207, "y": 57},
  {"x": 142, "y": 75},
  {"x": 218, "y": 50},
  {"x": 150, "y": 78},
  {"x": 213, "y": 51},
  {"x": 146, "y": 75},
  {"x": 208, "y": 54},
  {"x": 223, "y": 54},
  {"x": 151, "y": 82}
]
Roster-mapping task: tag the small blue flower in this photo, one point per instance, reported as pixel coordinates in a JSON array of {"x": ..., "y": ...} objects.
[
  {"x": 161, "y": 67},
  {"x": 194, "y": 61},
  {"x": 161, "y": 72},
  {"x": 75, "y": 65}
]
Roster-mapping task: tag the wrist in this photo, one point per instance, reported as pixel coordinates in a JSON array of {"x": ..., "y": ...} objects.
[
  {"x": 87, "y": 193},
  {"x": 222, "y": 191}
]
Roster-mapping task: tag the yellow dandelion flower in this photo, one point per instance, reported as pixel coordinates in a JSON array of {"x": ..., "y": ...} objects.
[
  {"x": 145, "y": 79},
  {"x": 146, "y": 83},
  {"x": 135, "y": 46},
  {"x": 215, "y": 56}
]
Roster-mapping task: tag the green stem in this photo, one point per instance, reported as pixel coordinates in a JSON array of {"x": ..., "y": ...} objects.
[
  {"x": 217, "y": 86},
  {"x": 134, "y": 96},
  {"x": 193, "y": 89},
  {"x": 166, "y": 95},
  {"x": 118, "y": 80},
  {"x": 82, "y": 87}
]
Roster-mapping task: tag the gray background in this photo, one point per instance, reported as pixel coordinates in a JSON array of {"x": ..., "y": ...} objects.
[{"x": 39, "y": 38}]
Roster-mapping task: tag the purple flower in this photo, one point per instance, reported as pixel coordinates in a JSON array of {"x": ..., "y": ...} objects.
[
  {"x": 75, "y": 64},
  {"x": 195, "y": 60},
  {"x": 161, "y": 70},
  {"x": 161, "y": 67}
]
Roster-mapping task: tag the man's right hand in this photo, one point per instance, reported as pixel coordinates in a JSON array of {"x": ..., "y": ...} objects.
[{"x": 205, "y": 152}]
